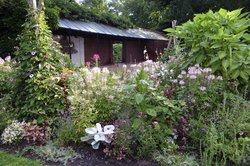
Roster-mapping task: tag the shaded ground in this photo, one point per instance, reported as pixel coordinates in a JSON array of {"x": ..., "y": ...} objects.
[{"x": 89, "y": 157}]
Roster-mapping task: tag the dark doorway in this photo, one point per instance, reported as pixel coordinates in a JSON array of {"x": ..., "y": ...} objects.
[{"x": 118, "y": 52}]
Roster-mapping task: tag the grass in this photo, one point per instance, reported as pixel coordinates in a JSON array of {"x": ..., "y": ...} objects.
[{"x": 12, "y": 160}]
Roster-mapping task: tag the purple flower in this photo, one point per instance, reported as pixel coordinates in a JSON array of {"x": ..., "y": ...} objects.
[
  {"x": 203, "y": 130},
  {"x": 207, "y": 70},
  {"x": 139, "y": 114},
  {"x": 211, "y": 77},
  {"x": 174, "y": 130},
  {"x": 181, "y": 82},
  {"x": 182, "y": 148},
  {"x": 219, "y": 78},
  {"x": 241, "y": 133},
  {"x": 168, "y": 92},
  {"x": 192, "y": 77},
  {"x": 33, "y": 53},
  {"x": 116, "y": 123}
]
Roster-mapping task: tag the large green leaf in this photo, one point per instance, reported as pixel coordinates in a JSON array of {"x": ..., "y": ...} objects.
[
  {"x": 151, "y": 112},
  {"x": 139, "y": 98},
  {"x": 223, "y": 12},
  {"x": 222, "y": 54},
  {"x": 225, "y": 63},
  {"x": 244, "y": 75}
]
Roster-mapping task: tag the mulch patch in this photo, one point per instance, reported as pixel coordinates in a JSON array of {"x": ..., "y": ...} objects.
[{"x": 88, "y": 157}]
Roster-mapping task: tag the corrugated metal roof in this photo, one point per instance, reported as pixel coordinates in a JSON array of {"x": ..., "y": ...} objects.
[{"x": 93, "y": 27}]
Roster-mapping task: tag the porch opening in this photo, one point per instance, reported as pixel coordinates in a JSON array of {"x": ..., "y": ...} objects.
[{"x": 118, "y": 52}]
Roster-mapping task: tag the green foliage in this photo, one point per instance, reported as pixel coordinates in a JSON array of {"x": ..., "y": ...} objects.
[
  {"x": 166, "y": 158},
  {"x": 224, "y": 134},
  {"x": 218, "y": 40},
  {"x": 6, "y": 80},
  {"x": 36, "y": 90},
  {"x": 88, "y": 12},
  {"x": 142, "y": 141},
  {"x": 159, "y": 14},
  {"x": 66, "y": 133},
  {"x": 4, "y": 119},
  {"x": 149, "y": 100},
  {"x": 50, "y": 152},
  {"x": 12, "y": 160},
  {"x": 117, "y": 53}
]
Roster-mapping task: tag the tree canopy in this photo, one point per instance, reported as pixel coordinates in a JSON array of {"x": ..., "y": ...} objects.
[
  {"x": 150, "y": 14},
  {"x": 158, "y": 14}
]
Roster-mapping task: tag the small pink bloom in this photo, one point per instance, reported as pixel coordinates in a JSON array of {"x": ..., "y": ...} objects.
[
  {"x": 88, "y": 64},
  {"x": 139, "y": 114},
  {"x": 155, "y": 123},
  {"x": 96, "y": 57}
]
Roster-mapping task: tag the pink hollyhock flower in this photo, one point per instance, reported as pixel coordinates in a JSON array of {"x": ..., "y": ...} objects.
[
  {"x": 88, "y": 64},
  {"x": 96, "y": 57}
]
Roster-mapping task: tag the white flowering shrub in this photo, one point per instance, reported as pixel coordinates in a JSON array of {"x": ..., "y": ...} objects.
[
  {"x": 13, "y": 133},
  {"x": 93, "y": 94},
  {"x": 153, "y": 69}
]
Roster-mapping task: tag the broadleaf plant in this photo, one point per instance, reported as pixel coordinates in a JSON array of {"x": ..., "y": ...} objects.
[{"x": 219, "y": 40}]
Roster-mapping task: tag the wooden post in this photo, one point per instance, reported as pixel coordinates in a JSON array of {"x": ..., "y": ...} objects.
[
  {"x": 172, "y": 38},
  {"x": 174, "y": 26}
]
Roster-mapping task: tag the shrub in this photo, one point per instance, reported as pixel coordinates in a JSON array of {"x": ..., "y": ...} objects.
[
  {"x": 35, "y": 134},
  {"x": 219, "y": 40},
  {"x": 94, "y": 95},
  {"x": 67, "y": 133},
  {"x": 13, "y": 133}
]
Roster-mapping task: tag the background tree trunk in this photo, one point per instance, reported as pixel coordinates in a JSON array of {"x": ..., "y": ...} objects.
[{"x": 33, "y": 4}]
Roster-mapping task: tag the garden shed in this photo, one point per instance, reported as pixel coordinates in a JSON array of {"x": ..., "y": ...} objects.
[{"x": 83, "y": 39}]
